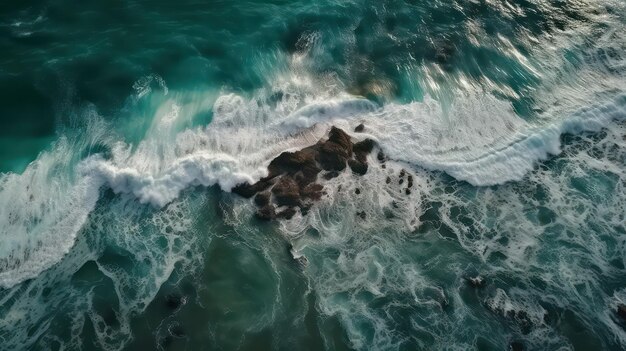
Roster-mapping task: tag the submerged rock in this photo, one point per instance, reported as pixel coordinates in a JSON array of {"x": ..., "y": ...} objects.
[
  {"x": 173, "y": 301},
  {"x": 359, "y": 128},
  {"x": 476, "y": 282},
  {"x": 621, "y": 311},
  {"x": 177, "y": 331},
  {"x": 516, "y": 346}
]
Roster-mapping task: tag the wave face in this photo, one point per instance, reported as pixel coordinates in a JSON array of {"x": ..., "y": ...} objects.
[{"x": 508, "y": 117}]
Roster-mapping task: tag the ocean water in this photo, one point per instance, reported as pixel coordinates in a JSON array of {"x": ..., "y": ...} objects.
[{"x": 125, "y": 124}]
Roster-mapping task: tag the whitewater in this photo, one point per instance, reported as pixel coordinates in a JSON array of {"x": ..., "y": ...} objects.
[{"x": 116, "y": 216}]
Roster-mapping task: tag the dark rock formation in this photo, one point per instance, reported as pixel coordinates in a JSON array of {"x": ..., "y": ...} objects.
[
  {"x": 340, "y": 137},
  {"x": 291, "y": 162},
  {"x": 266, "y": 212},
  {"x": 287, "y": 213},
  {"x": 286, "y": 192},
  {"x": 476, "y": 282},
  {"x": 262, "y": 199},
  {"x": 292, "y": 181},
  {"x": 173, "y": 301},
  {"x": 381, "y": 156},
  {"x": 364, "y": 147},
  {"x": 621, "y": 311},
  {"x": 331, "y": 175},
  {"x": 359, "y": 128},
  {"x": 312, "y": 191},
  {"x": 248, "y": 190},
  {"x": 516, "y": 346},
  {"x": 358, "y": 167}
]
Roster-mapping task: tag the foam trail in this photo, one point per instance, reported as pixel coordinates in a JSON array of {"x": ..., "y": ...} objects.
[
  {"x": 521, "y": 150},
  {"x": 41, "y": 211},
  {"x": 480, "y": 140},
  {"x": 194, "y": 170}
]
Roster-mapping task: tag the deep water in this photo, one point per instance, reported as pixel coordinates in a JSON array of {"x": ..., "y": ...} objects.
[{"x": 125, "y": 124}]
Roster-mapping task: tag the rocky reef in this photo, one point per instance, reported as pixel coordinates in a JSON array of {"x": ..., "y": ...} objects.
[{"x": 292, "y": 183}]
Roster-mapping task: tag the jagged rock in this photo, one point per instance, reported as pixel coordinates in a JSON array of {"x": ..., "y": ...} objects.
[
  {"x": 361, "y": 214},
  {"x": 304, "y": 209},
  {"x": 407, "y": 191},
  {"x": 381, "y": 156},
  {"x": 333, "y": 156},
  {"x": 266, "y": 212},
  {"x": 286, "y": 192},
  {"x": 292, "y": 179},
  {"x": 292, "y": 162},
  {"x": 262, "y": 199},
  {"x": 362, "y": 149},
  {"x": 312, "y": 191},
  {"x": 357, "y": 167},
  {"x": 287, "y": 213},
  {"x": 410, "y": 181},
  {"x": 330, "y": 175},
  {"x": 365, "y": 146},
  {"x": 340, "y": 137},
  {"x": 357, "y": 191},
  {"x": 359, "y": 128},
  {"x": 248, "y": 190}
]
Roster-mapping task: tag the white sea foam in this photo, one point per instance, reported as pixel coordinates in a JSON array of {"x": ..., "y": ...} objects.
[
  {"x": 479, "y": 140},
  {"x": 41, "y": 211}
]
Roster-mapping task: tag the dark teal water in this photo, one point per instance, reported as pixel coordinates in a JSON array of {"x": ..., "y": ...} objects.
[{"x": 125, "y": 125}]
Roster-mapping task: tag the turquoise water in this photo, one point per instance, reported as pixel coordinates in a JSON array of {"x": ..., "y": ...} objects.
[{"x": 126, "y": 124}]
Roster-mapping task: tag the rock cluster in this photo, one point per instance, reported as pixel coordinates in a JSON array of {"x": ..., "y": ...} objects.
[{"x": 292, "y": 181}]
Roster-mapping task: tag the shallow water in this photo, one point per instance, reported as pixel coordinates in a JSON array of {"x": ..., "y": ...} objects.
[{"x": 125, "y": 125}]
